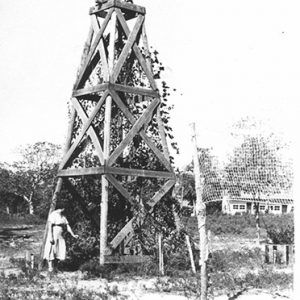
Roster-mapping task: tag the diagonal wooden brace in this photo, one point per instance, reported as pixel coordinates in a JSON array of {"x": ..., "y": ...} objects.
[
  {"x": 133, "y": 131},
  {"x": 86, "y": 126},
  {"x": 136, "y": 50},
  {"x": 120, "y": 188},
  {"x": 132, "y": 38},
  {"x": 128, "y": 228},
  {"x": 104, "y": 63},
  {"x": 142, "y": 133},
  {"x": 93, "y": 48},
  {"x": 91, "y": 131}
]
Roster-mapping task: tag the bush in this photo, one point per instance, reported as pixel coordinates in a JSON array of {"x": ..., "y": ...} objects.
[
  {"x": 220, "y": 223},
  {"x": 85, "y": 247},
  {"x": 245, "y": 225},
  {"x": 282, "y": 235}
]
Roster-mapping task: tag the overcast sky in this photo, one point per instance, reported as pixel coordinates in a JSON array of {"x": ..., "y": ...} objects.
[{"x": 227, "y": 60}]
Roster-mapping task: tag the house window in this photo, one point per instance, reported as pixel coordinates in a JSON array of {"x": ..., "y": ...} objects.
[
  {"x": 235, "y": 206},
  {"x": 262, "y": 207},
  {"x": 271, "y": 207},
  {"x": 277, "y": 207},
  {"x": 242, "y": 206}
]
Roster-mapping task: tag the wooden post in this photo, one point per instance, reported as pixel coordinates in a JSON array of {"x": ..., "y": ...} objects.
[
  {"x": 274, "y": 252},
  {"x": 201, "y": 217},
  {"x": 257, "y": 222},
  {"x": 32, "y": 261},
  {"x": 27, "y": 258},
  {"x": 190, "y": 253},
  {"x": 160, "y": 256},
  {"x": 104, "y": 193},
  {"x": 106, "y": 146},
  {"x": 267, "y": 253}
]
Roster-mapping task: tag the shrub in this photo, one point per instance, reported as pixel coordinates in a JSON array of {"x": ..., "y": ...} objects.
[
  {"x": 282, "y": 235},
  {"x": 245, "y": 225},
  {"x": 85, "y": 247},
  {"x": 220, "y": 223}
]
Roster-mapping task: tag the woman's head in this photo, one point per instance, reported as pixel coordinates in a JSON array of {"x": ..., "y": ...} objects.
[{"x": 61, "y": 205}]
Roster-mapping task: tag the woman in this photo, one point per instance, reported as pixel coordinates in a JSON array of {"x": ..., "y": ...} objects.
[{"x": 55, "y": 247}]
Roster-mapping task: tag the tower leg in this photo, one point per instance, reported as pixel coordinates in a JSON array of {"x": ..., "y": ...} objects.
[{"x": 106, "y": 145}]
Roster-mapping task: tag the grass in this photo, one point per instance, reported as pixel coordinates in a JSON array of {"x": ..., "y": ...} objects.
[
  {"x": 33, "y": 285},
  {"x": 233, "y": 267},
  {"x": 230, "y": 272}
]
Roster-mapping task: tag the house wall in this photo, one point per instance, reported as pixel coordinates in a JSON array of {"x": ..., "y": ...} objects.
[{"x": 234, "y": 206}]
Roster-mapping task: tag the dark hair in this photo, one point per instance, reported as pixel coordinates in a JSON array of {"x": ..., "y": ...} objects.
[{"x": 60, "y": 205}]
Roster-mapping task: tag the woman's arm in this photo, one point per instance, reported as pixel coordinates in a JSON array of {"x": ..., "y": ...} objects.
[
  {"x": 51, "y": 232},
  {"x": 69, "y": 229}
]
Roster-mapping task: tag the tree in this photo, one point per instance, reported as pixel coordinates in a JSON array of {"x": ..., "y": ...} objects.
[
  {"x": 212, "y": 180},
  {"x": 256, "y": 168},
  {"x": 5, "y": 186},
  {"x": 9, "y": 200},
  {"x": 33, "y": 175}
]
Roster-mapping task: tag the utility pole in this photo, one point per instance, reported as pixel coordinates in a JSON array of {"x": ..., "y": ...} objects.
[{"x": 201, "y": 217}]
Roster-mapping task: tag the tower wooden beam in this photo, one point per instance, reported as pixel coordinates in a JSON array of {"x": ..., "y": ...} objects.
[
  {"x": 106, "y": 146},
  {"x": 119, "y": 4},
  {"x": 103, "y": 170}
]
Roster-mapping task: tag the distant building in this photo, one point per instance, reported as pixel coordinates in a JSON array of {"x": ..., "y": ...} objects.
[{"x": 275, "y": 204}]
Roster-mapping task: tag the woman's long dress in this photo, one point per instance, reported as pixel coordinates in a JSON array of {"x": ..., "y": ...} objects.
[{"x": 58, "y": 249}]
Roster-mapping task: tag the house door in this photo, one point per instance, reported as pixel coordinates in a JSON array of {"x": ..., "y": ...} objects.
[
  {"x": 249, "y": 207},
  {"x": 284, "y": 209}
]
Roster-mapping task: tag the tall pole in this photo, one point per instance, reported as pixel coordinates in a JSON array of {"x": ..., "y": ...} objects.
[
  {"x": 201, "y": 217},
  {"x": 106, "y": 144}
]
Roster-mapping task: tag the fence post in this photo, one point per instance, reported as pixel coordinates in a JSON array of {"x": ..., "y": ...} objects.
[
  {"x": 32, "y": 261},
  {"x": 201, "y": 217},
  {"x": 190, "y": 253},
  {"x": 160, "y": 256}
]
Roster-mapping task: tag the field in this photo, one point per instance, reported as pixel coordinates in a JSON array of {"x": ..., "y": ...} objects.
[{"x": 236, "y": 268}]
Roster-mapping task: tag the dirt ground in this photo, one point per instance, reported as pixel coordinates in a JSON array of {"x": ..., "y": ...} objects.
[{"x": 18, "y": 241}]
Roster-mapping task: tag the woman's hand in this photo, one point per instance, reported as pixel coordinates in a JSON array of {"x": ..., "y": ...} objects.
[{"x": 75, "y": 236}]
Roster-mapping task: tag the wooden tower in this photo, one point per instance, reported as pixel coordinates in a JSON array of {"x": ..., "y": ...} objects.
[{"x": 116, "y": 46}]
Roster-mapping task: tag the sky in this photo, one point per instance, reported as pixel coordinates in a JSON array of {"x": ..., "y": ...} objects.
[{"x": 227, "y": 59}]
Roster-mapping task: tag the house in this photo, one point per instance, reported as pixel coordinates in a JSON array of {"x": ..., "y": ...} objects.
[{"x": 275, "y": 204}]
